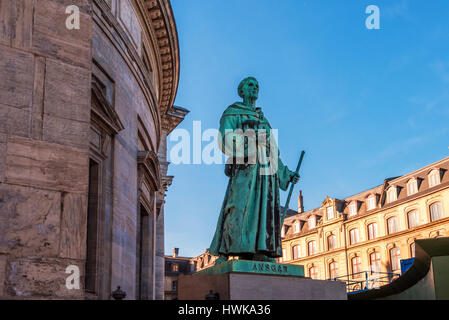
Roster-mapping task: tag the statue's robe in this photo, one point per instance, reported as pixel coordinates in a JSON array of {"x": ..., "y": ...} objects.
[{"x": 250, "y": 217}]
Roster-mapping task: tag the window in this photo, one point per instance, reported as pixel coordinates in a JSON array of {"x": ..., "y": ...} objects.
[
  {"x": 374, "y": 261},
  {"x": 296, "y": 250},
  {"x": 312, "y": 247},
  {"x": 311, "y": 221},
  {"x": 175, "y": 267},
  {"x": 436, "y": 211},
  {"x": 392, "y": 194},
  {"x": 413, "y": 218},
  {"x": 284, "y": 255},
  {"x": 412, "y": 187},
  {"x": 283, "y": 231},
  {"x": 395, "y": 259},
  {"x": 372, "y": 231},
  {"x": 356, "y": 267},
  {"x": 392, "y": 224},
  {"x": 313, "y": 272},
  {"x": 354, "y": 236},
  {"x": 333, "y": 270},
  {"x": 371, "y": 203},
  {"x": 412, "y": 250},
  {"x": 174, "y": 285},
  {"x": 330, "y": 212},
  {"x": 353, "y": 209},
  {"x": 296, "y": 227},
  {"x": 331, "y": 242},
  {"x": 434, "y": 178}
]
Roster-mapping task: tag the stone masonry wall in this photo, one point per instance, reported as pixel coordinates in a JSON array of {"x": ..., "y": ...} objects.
[{"x": 45, "y": 72}]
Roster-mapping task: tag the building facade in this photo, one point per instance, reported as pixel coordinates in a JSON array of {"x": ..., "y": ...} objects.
[
  {"x": 204, "y": 260},
  {"x": 84, "y": 116},
  {"x": 371, "y": 231},
  {"x": 174, "y": 266}
]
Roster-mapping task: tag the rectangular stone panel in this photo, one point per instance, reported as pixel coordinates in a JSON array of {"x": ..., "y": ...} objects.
[
  {"x": 2, "y": 156},
  {"x": 257, "y": 267},
  {"x": 14, "y": 120},
  {"x": 29, "y": 221},
  {"x": 73, "y": 226},
  {"x": 16, "y": 77},
  {"x": 66, "y": 131},
  {"x": 131, "y": 23},
  {"x": 249, "y": 286},
  {"x": 52, "y": 38},
  {"x": 43, "y": 278},
  {"x": 47, "y": 165},
  {"x": 67, "y": 91},
  {"x": 16, "y": 19},
  {"x": 2, "y": 274}
]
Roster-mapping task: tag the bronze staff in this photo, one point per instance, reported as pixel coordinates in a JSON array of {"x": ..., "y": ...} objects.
[{"x": 291, "y": 188}]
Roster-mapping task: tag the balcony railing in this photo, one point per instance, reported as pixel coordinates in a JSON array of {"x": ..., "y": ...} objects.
[{"x": 366, "y": 280}]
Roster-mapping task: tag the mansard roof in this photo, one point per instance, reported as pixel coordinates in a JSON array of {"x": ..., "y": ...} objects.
[{"x": 400, "y": 182}]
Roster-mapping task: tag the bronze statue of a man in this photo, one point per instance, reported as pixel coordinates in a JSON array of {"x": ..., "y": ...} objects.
[{"x": 249, "y": 225}]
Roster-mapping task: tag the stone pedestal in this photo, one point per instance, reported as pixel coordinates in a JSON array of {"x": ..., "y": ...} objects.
[{"x": 248, "y": 280}]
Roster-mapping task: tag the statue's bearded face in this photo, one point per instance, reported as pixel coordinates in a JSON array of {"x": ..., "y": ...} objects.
[{"x": 251, "y": 89}]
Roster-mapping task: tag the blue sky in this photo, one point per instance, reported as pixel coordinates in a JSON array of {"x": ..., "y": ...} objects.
[{"x": 364, "y": 104}]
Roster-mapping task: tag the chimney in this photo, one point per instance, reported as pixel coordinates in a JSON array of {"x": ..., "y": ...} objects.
[
  {"x": 175, "y": 252},
  {"x": 300, "y": 203}
]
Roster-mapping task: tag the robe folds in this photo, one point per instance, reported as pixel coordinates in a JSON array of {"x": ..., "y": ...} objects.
[{"x": 250, "y": 217}]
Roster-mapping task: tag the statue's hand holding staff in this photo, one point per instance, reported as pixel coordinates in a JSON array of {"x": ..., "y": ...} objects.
[{"x": 294, "y": 178}]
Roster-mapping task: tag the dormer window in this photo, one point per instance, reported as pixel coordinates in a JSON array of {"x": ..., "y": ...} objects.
[
  {"x": 330, "y": 213},
  {"x": 312, "y": 222},
  {"x": 412, "y": 187},
  {"x": 353, "y": 209},
  {"x": 392, "y": 194},
  {"x": 371, "y": 203},
  {"x": 296, "y": 227},
  {"x": 434, "y": 178}
]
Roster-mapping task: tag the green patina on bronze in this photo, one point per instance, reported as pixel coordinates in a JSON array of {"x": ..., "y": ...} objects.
[
  {"x": 262, "y": 267},
  {"x": 250, "y": 220}
]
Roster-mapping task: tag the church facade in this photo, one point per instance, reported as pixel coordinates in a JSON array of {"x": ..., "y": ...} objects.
[
  {"x": 84, "y": 117},
  {"x": 368, "y": 234}
]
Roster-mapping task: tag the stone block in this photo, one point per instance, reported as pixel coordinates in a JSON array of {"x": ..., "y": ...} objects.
[
  {"x": 42, "y": 278},
  {"x": 2, "y": 274},
  {"x": 16, "y": 74},
  {"x": 241, "y": 286},
  {"x": 66, "y": 132},
  {"x": 14, "y": 120},
  {"x": 131, "y": 23},
  {"x": 47, "y": 165},
  {"x": 67, "y": 91},
  {"x": 16, "y": 20},
  {"x": 29, "y": 221},
  {"x": 73, "y": 226},
  {"x": 51, "y": 38},
  {"x": 2, "y": 156}
]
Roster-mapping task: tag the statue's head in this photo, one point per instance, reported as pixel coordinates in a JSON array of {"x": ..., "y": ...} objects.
[{"x": 249, "y": 88}]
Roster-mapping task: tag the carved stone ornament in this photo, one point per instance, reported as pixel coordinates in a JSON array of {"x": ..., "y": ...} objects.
[
  {"x": 149, "y": 170},
  {"x": 103, "y": 112}
]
